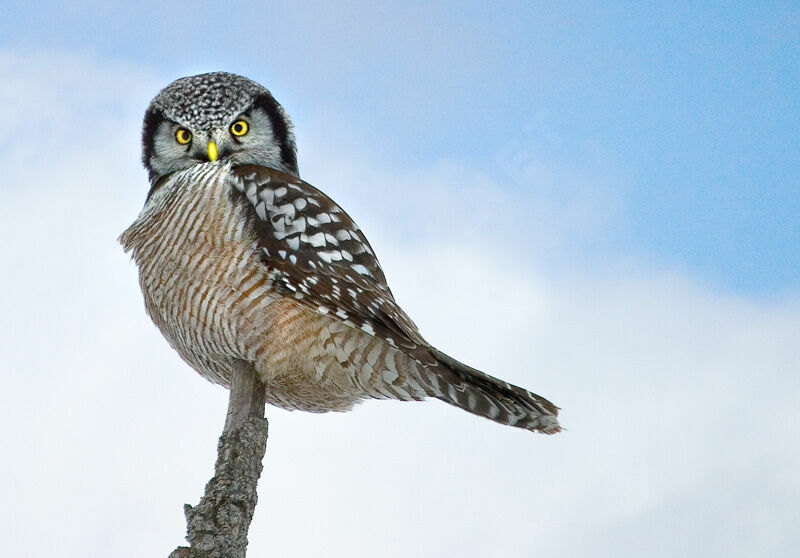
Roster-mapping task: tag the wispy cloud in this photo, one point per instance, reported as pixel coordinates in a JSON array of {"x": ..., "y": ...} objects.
[{"x": 680, "y": 400}]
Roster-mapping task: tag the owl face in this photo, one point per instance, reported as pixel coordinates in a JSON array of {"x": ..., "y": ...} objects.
[{"x": 217, "y": 116}]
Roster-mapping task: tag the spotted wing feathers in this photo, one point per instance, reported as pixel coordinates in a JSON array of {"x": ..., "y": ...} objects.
[
  {"x": 314, "y": 250},
  {"x": 315, "y": 253}
]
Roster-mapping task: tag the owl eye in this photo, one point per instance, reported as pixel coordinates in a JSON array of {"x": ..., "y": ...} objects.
[
  {"x": 239, "y": 128},
  {"x": 183, "y": 136}
]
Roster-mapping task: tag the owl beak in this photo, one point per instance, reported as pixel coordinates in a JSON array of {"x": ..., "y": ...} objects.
[{"x": 213, "y": 153}]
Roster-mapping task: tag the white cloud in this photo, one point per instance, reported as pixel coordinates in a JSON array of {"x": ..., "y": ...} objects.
[{"x": 680, "y": 401}]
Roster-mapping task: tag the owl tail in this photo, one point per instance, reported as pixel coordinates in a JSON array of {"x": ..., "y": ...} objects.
[{"x": 483, "y": 395}]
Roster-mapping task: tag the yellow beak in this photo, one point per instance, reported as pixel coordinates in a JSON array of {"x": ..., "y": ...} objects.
[{"x": 213, "y": 153}]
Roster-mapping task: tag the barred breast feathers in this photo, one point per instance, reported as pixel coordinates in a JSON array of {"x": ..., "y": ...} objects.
[
  {"x": 190, "y": 245},
  {"x": 160, "y": 198}
]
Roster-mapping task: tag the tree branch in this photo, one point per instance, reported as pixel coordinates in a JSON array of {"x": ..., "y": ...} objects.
[{"x": 217, "y": 527}]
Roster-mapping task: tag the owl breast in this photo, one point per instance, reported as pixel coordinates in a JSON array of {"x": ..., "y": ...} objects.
[
  {"x": 202, "y": 282},
  {"x": 207, "y": 289}
]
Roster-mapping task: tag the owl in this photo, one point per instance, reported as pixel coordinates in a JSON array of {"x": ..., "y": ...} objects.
[{"x": 241, "y": 260}]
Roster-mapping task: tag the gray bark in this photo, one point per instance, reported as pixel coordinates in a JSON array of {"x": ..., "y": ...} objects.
[{"x": 217, "y": 527}]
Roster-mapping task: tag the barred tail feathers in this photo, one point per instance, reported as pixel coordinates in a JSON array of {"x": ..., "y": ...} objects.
[{"x": 486, "y": 396}]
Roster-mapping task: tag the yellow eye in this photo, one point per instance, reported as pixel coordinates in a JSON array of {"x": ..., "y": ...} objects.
[
  {"x": 239, "y": 128},
  {"x": 183, "y": 136}
]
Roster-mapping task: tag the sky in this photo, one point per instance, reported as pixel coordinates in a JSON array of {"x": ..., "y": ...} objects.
[{"x": 598, "y": 202}]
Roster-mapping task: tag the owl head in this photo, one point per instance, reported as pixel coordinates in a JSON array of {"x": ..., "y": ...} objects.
[{"x": 216, "y": 116}]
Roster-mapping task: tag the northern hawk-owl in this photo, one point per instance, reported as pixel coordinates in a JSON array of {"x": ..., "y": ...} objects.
[{"x": 239, "y": 259}]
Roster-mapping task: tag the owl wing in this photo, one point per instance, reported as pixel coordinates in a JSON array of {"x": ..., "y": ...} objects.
[{"x": 315, "y": 252}]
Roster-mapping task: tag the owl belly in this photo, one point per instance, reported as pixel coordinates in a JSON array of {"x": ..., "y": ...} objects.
[{"x": 192, "y": 308}]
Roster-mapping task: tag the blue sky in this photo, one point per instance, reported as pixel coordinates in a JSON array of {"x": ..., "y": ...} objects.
[
  {"x": 598, "y": 202},
  {"x": 689, "y": 113}
]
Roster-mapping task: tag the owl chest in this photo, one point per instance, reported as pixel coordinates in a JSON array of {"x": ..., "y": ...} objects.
[{"x": 198, "y": 271}]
